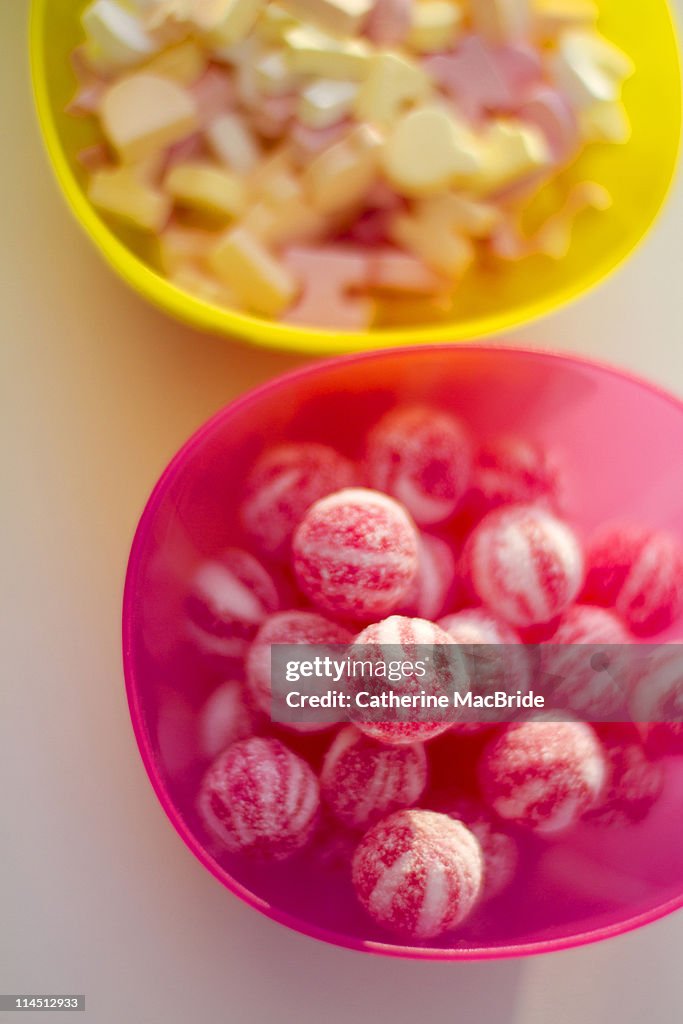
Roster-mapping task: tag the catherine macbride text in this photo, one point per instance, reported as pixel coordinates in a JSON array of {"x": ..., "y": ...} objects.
[{"x": 422, "y": 701}]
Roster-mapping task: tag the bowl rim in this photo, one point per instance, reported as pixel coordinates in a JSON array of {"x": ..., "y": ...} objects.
[
  {"x": 308, "y": 340},
  {"x": 289, "y": 920}
]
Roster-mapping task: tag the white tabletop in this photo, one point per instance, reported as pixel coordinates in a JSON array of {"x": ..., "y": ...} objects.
[{"x": 99, "y": 895}]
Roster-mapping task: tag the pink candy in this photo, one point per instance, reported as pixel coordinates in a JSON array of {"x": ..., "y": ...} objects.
[
  {"x": 543, "y": 774},
  {"x": 434, "y": 584},
  {"x": 422, "y": 457},
  {"x": 260, "y": 799},
  {"x": 355, "y": 554},
  {"x": 282, "y": 486},
  {"x": 639, "y": 572},
  {"x": 229, "y": 598},
  {"x": 525, "y": 564},
  {"x": 389, "y": 22},
  {"x": 328, "y": 277},
  {"x": 549, "y": 111},
  {"x": 418, "y": 873},
  {"x": 499, "y": 849},
  {"x": 362, "y": 781},
  {"x": 225, "y": 718},
  {"x": 512, "y": 470},
  {"x": 657, "y": 700},
  {"x": 214, "y": 94},
  {"x": 634, "y": 784}
]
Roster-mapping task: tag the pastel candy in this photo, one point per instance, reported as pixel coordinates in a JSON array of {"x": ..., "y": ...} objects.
[
  {"x": 179, "y": 246},
  {"x": 392, "y": 83},
  {"x": 325, "y": 101},
  {"x": 605, "y": 122},
  {"x": 214, "y": 94},
  {"x": 309, "y": 141},
  {"x": 589, "y": 69},
  {"x": 204, "y": 187},
  {"x": 512, "y": 151},
  {"x": 191, "y": 278},
  {"x": 338, "y": 17},
  {"x": 340, "y": 176},
  {"x": 273, "y": 75},
  {"x": 274, "y": 21},
  {"x": 501, "y": 20},
  {"x": 554, "y": 16},
  {"x": 116, "y": 37},
  {"x": 231, "y": 20},
  {"x": 273, "y": 116},
  {"x": 94, "y": 158},
  {"x": 187, "y": 149},
  {"x": 312, "y": 52},
  {"x": 261, "y": 282},
  {"x": 124, "y": 193},
  {"x": 184, "y": 63},
  {"x": 428, "y": 150},
  {"x": 393, "y": 270},
  {"x": 435, "y": 25},
  {"x": 142, "y": 113},
  {"x": 439, "y": 230},
  {"x": 233, "y": 142},
  {"x": 548, "y": 110},
  {"x": 554, "y": 236},
  {"x": 327, "y": 276},
  {"x": 389, "y": 22}
]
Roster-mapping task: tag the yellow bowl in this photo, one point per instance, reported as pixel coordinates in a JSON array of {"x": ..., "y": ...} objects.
[{"x": 638, "y": 176}]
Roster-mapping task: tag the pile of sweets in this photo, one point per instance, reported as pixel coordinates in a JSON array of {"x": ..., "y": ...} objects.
[
  {"x": 430, "y": 539},
  {"x": 300, "y": 159}
]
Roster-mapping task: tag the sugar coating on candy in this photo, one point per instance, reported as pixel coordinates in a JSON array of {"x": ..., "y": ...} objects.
[
  {"x": 512, "y": 471},
  {"x": 418, "y": 873},
  {"x": 225, "y": 717},
  {"x": 525, "y": 564},
  {"x": 283, "y": 484},
  {"x": 421, "y": 456},
  {"x": 355, "y": 554},
  {"x": 634, "y": 782},
  {"x": 499, "y": 849},
  {"x": 656, "y": 702},
  {"x": 400, "y": 639},
  {"x": 587, "y": 663},
  {"x": 638, "y": 571},
  {"x": 543, "y": 774},
  {"x": 228, "y": 598},
  {"x": 435, "y": 582},
  {"x": 260, "y": 800},
  {"x": 290, "y": 627},
  {"x": 362, "y": 780}
]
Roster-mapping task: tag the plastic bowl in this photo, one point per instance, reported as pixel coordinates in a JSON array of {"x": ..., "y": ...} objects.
[
  {"x": 637, "y": 175},
  {"x": 622, "y": 442}
]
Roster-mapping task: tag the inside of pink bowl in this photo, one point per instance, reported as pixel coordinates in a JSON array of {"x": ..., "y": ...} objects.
[{"x": 622, "y": 445}]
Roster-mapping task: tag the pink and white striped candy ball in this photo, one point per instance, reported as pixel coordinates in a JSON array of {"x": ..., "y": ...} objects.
[
  {"x": 512, "y": 470},
  {"x": 418, "y": 873},
  {"x": 499, "y": 849},
  {"x": 355, "y": 554},
  {"x": 405, "y": 641},
  {"x": 587, "y": 664},
  {"x": 657, "y": 700},
  {"x": 422, "y": 457},
  {"x": 435, "y": 584},
  {"x": 634, "y": 782},
  {"x": 226, "y": 717},
  {"x": 525, "y": 564},
  {"x": 282, "y": 486},
  {"x": 543, "y": 774},
  {"x": 228, "y": 599},
  {"x": 639, "y": 572},
  {"x": 291, "y": 627},
  {"x": 362, "y": 781},
  {"x": 261, "y": 800}
]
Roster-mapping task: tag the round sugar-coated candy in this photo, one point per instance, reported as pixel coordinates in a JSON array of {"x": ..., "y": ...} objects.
[
  {"x": 418, "y": 873},
  {"x": 525, "y": 564},
  {"x": 282, "y": 486},
  {"x": 634, "y": 782},
  {"x": 588, "y": 662},
  {"x": 422, "y": 457},
  {"x": 292, "y": 627},
  {"x": 543, "y": 774},
  {"x": 363, "y": 780},
  {"x": 639, "y": 572},
  {"x": 228, "y": 598},
  {"x": 499, "y": 848},
  {"x": 356, "y": 554},
  {"x": 656, "y": 703},
  {"x": 399, "y": 669},
  {"x": 435, "y": 584},
  {"x": 226, "y": 717},
  {"x": 260, "y": 799},
  {"x": 512, "y": 470},
  {"x": 498, "y": 659}
]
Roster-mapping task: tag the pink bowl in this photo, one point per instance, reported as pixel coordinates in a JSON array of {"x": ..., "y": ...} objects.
[{"x": 622, "y": 442}]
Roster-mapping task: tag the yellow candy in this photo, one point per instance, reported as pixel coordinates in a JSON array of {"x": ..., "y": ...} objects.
[
  {"x": 273, "y": 75},
  {"x": 116, "y": 38},
  {"x": 589, "y": 69},
  {"x": 436, "y": 24},
  {"x": 605, "y": 122},
  {"x": 434, "y": 238},
  {"x": 341, "y": 175},
  {"x": 554, "y": 237},
  {"x": 279, "y": 225},
  {"x": 206, "y": 188},
  {"x": 142, "y": 113},
  {"x": 236, "y": 21},
  {"x": 233, "y": 143},
  {"x": 553, "y": 16},
  {"x": 184, "y": 63},
  {"x": 274, "y": 21},
  {"x": 392, "y": 83},
  {"x": 262, "y": 284},
  {"x": 180, "y": 246},
  {"x": 123, "y": 193},
  {"x": 501, "y": 20},
  {"x": 194, "y": 280},
  {"x": 511, "y": 151},
  {"x": 312, "y": 52},
  {"x": 325, "y": 101},
  {"x": 338, "y": 17},
  {"x": 428, "y": 150}
]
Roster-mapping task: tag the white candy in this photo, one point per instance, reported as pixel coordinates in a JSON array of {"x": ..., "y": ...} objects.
[
  {"x": 605, "y": 122},
  {"x": 204, "y": 187},
  {"x": 428, "y": 150},
  {"x": 338, "y": 17},
  {"x": 391, "y": 84},
  {"x": 312, "y": 52},
  {"x": 273, "y": 75},
  {"x": 233, "y": 142},
  {"x": 435, "y": 25},
  {"x": 236, "y": 22},
  {"x": 123, "y": 193},
  {"x": 325, "y": 101},
  {"x": 589, "y": 69},
  {"x": 115, "y": 36},
  {"x": 511, "y": 152},
  {"x": 143, "y": 113}
]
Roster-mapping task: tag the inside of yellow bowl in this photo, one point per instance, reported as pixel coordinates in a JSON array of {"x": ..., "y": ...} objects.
[{"x": 492, "y": 297}]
